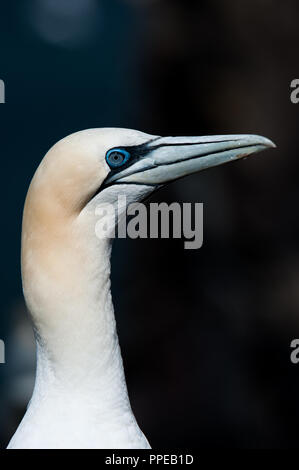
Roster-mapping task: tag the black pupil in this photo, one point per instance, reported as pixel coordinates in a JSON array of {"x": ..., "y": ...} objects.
[{"x": 116, "y": 157}]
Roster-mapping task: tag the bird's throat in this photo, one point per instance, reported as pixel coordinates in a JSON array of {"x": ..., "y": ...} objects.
[
  {"x": 66, "y": 281},
  {"x": 80, "y": 375}
]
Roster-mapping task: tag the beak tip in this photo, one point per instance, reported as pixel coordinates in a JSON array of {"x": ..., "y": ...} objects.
[
  {"x": 259, "y": 141},
  {"x": 271, "y": 144},
  {"x": 268, "y": 143}
]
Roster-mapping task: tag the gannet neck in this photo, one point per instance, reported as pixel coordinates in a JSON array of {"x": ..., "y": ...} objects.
[{"x": 80, "y": 378}]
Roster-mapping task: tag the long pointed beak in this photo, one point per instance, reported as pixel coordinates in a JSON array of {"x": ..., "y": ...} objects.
[{"x": 165, "y": 159}]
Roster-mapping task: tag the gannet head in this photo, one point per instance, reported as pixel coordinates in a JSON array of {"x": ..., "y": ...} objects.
[{"x": 97, "y": 164}]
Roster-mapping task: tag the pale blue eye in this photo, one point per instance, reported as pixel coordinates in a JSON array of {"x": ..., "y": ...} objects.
[{"x": 117, "y": 157}]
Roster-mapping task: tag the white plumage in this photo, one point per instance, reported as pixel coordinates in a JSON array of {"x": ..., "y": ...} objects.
[{"x": 80, "y": 398}]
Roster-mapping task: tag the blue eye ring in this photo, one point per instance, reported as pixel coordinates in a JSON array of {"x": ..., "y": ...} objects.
[{"x": 117, "y": 157}]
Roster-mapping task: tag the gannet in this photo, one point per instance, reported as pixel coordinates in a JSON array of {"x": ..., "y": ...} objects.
[{"x": 80, "y": 398}]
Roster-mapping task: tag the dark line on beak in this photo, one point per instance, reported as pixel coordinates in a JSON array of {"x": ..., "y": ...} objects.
[
  {"x": 189, "y": 143},
  {"x": 202, "y": 155},
  {"x": 157, "y": 165}
]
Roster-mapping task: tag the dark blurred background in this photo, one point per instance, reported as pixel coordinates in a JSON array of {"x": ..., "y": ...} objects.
[{"x": 205, "y": 334}]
